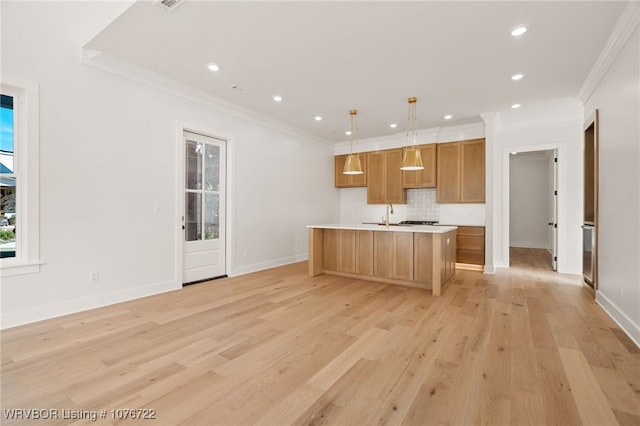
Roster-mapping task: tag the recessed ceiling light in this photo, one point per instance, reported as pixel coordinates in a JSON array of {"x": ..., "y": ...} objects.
[
  {"x": 393, "y": 125},
  {"x": 277, "y": 98},
  {"x": 448, "y": 117},
  {"x": 514, "y": 106},
  {"x": 213, "y": 67},
  {"x": 347, "y": 133},
  {"x": 519, "y": 30},
  {"x": 513, "y": 153},
  {"x": 517, "y": 76},
  {"x": 317, "y": 118}
]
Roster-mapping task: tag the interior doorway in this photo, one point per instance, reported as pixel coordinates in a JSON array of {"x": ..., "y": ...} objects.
[{"x": 533, "y": 206}]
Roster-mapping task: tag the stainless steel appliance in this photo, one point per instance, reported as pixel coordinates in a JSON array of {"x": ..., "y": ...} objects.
[{"x": 588, "y": 252}]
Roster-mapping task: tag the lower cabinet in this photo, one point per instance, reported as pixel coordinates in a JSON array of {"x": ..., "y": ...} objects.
[
  {"x": 416, "y": 259},
  {"x": 393, "y": 255},
  {"x": 470, "y": 245},
  {"x": 347, "y": 250}
]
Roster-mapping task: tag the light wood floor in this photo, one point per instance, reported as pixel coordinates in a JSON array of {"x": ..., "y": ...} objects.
[{"x": 523, "y": 346}]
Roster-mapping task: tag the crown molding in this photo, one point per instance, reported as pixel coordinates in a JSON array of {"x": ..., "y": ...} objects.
[
  {"x": 430, "y": 135},
  {"x": 626, "y": 25},
  {"x": 559, "y": 120},
  {"x": 129, "y": 71}
]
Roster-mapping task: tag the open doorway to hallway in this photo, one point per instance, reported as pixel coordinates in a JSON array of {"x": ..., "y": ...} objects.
[{"x": 533, "y": 209}]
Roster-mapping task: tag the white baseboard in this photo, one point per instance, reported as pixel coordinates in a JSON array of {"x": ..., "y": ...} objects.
[
  {"x": 489, "y": 269},
  {"x": 626, "y": 324},
  {"x": 530, "y": 245},
  {"x": 44, "y": 312},
  {"x": 268, "y": 264}
]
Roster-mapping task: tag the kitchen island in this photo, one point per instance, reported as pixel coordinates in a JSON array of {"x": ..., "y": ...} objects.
[{"x": 421, "y": 256}]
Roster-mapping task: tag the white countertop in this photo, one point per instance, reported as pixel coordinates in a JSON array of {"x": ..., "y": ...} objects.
[{"x": 429, "y": 229}]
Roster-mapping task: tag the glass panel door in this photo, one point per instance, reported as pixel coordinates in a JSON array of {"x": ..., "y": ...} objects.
[{"x": 204, "y": 207}]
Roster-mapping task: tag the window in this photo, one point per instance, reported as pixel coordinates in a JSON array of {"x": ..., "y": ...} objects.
[
  {"x": 7, "y": 180},
  {"x": 19, "y": 209}
]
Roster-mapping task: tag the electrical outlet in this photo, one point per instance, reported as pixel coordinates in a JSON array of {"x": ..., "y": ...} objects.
[
  {"x": 246, "y": 253},
  {"x": 93, "y": 277}
]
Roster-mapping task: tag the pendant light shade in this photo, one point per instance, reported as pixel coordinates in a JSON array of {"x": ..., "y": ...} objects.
[
  {"x": 412, "y": 159},
  {"x": 352, "y": 166}
]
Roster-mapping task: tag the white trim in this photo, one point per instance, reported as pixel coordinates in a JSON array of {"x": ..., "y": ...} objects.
[
  {"x": 625, "y": 26},
  {"x": 110, "y": 64},
  {"x": 430, "y": 135},
  {"x": 555, "y": 120},
  {"x": 54, "y": 310},
  {"x": 560, "y": 148},
  {"x": 619, "y": 317},
  {"x": 489, "y": 269},
  {"x": 181, "y": 127},
  {"x": 27, "y": 167},
  {"x": 12, "y": 268},
  {"x": 530, "y": 245},
  {"x": 260, "y": 266}
]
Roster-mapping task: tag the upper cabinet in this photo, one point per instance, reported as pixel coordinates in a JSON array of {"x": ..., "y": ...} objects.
[
  {"x": 385, "y": 177},
  {"x": 461, "y": 172},
  {"x": 425, "y": 178},
  {"x": 350, "y": 181}
]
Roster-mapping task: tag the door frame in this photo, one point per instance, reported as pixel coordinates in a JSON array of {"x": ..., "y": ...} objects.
[
  {"x": 593, "y": 120},
  {"x": 181, "y": 127},
  {"x": 560, "y": 150}
]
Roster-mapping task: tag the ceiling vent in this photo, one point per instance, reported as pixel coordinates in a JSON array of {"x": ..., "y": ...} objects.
[{"x": 168, "y": 5}]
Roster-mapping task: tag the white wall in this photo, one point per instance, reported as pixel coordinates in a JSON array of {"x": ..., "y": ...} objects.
[
  {"x": 529, "y": 200},
  {"x": 553, "y": 124},
  {"x": 617, "y": 98},
  {"x": 108, "y": 157}
]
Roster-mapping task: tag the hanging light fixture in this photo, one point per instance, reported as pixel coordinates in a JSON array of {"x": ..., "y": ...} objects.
[
  {"x": 352, "y": 165},
  {"x": 412, "y": 159}
]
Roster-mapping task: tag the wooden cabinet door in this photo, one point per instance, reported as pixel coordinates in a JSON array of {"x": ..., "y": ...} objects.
[
  {"x": 396, "y": 194},
  {"x": 448, "y": 190},
  {"x": 425, "y": 178},
  {"x": 470, "y": 245},
  {"x": 393, "y": 255},
  {"x": 349, "y": 181},
  {"x": 376, "y": 187},
  {"x": 384, "y": 184},
  {"x": 347, "y": 259},
  {"x": 341, "y": 180},
  {"x": 423, "y": 257},
  {"x": 472, "y": 171},
  {"x": 331, "y": 249},
  {"x": 340, "y": 250},
  {"x": 364, "y": 252}
]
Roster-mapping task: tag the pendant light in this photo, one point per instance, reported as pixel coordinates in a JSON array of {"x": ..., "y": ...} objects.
[
  {"x": 352, "y": 166},
  {"x": 412, "y": 159}
]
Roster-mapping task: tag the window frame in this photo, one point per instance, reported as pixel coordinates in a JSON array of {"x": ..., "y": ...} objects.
[{"x": 26, "y": 144}]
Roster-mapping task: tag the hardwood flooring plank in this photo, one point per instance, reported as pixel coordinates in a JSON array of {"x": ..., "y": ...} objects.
[
  {"x": 591, "y": 402},
  {"x": 523, "y": 346},
  {"x": 326, "y": 377}
]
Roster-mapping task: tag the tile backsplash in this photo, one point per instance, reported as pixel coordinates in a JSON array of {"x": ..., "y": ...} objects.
[{"x": 421, "y": 204}]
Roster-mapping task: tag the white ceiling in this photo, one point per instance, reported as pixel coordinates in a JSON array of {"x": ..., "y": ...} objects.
[{"x": 327, "y": 57}]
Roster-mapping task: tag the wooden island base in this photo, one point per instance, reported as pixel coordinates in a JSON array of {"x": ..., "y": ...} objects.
[{"x": 420, "y": 259}]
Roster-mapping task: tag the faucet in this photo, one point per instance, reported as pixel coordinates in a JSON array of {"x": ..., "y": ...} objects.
[{"x": 389, "y": 211}]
